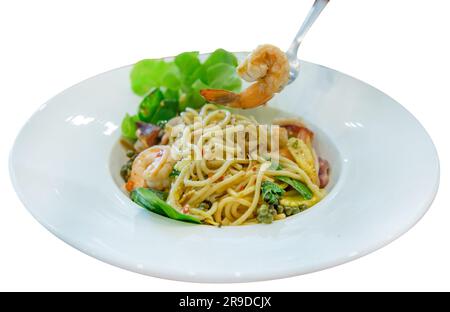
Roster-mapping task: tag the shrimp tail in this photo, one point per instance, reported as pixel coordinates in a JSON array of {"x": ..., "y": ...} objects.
[{"x": 219, "y": 96}]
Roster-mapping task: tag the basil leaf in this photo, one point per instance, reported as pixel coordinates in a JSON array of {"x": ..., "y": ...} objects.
[{"x": 148, "y": 199}]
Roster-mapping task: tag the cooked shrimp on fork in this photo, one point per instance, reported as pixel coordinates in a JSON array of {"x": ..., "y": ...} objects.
[{"x": 268, "y": 66}]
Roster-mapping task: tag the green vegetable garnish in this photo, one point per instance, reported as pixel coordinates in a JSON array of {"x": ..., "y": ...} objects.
[
  {"x": 129, "y": 126},
  {"x": 220, "y": 56},
  {"x": 170, "y": 94},
  {"x": 148, "y": 74},
  {"x": 176, "y": 85},
  {"x": 151, "y": 200},
  {"x": 189, "y": 66},
  {"x": 271, "y": 192},
  {"x": 160, "y": 194},
  {"x": 174, "y": 173},
  {"x": 150, "y": 104},
  {"x": 166, "y": 110},
  {"x": 301, "y": 188},
  {"x": 223, "y": 76},
  {"x": 192, "y": 97}
]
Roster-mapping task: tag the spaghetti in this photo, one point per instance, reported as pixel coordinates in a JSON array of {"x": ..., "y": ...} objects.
[{"x": 220, "y": 174}]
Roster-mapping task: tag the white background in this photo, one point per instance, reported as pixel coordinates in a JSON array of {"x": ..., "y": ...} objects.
[{"x": 401, "y": 47}]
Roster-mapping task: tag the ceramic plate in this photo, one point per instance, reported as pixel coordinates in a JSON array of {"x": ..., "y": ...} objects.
[{"x": 385, "y": 172}]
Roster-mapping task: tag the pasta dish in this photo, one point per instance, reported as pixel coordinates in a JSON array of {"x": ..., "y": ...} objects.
[{"x": 212, "y": 165}]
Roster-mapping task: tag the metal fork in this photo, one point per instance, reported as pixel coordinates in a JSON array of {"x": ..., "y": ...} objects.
[{"x": 291, "y": 53}]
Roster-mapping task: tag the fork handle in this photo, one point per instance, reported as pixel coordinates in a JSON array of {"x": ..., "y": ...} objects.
[{"x": 314, "y": 12}]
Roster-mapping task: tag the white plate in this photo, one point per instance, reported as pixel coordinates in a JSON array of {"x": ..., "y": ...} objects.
[{"x": 385, "y": 174}]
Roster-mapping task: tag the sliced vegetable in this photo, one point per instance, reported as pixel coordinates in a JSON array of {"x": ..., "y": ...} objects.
[
  {"x": 151, "y": 200},
  {"x": 147, "y": 133},
  {"x": 150, "y": 104},
  {"x": 166, "y": 110},
  {"x": 301, "y": 188},
  {"x": 324, "y": 172},
  {"x": 304, "y": 157},
  {"x": 271, "y": 192},
  {"x": 129, "y": 126},
  {"x": 177, "y": 85},
  {"x": 170, "y": 94},
  {"x": 298, "y": 201}
]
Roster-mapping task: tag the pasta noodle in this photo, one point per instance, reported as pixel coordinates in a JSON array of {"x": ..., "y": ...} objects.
[{"x": 219, "y": 179}]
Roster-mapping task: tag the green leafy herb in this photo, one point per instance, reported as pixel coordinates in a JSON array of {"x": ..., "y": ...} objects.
[
  {"x": 174, "y": 173},
  {"x": 223, "y": 76},
  {"x": 271, "y": 192},
  {"x": 171, "y": 86},
  {"x": 192, "y": 97},
  {"x": 188, "y": 64},
  {"x": 129, "y": 126},
  {"x": 217, "y": 57},
  {"x": 151, "y": 200},
  {"x": 301, "y": 188},
  {"x": 171, "y": 80},
  {"x": 148, "y": 74}
]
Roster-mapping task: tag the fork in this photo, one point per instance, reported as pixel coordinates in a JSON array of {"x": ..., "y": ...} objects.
[{"x": 294, "y": 62}]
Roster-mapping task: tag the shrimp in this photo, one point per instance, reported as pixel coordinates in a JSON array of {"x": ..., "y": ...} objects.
[
  {"x": 151, "y": 168},
  {"x": 296, "y": 128},
  {"x": 268, "y": 66}
]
